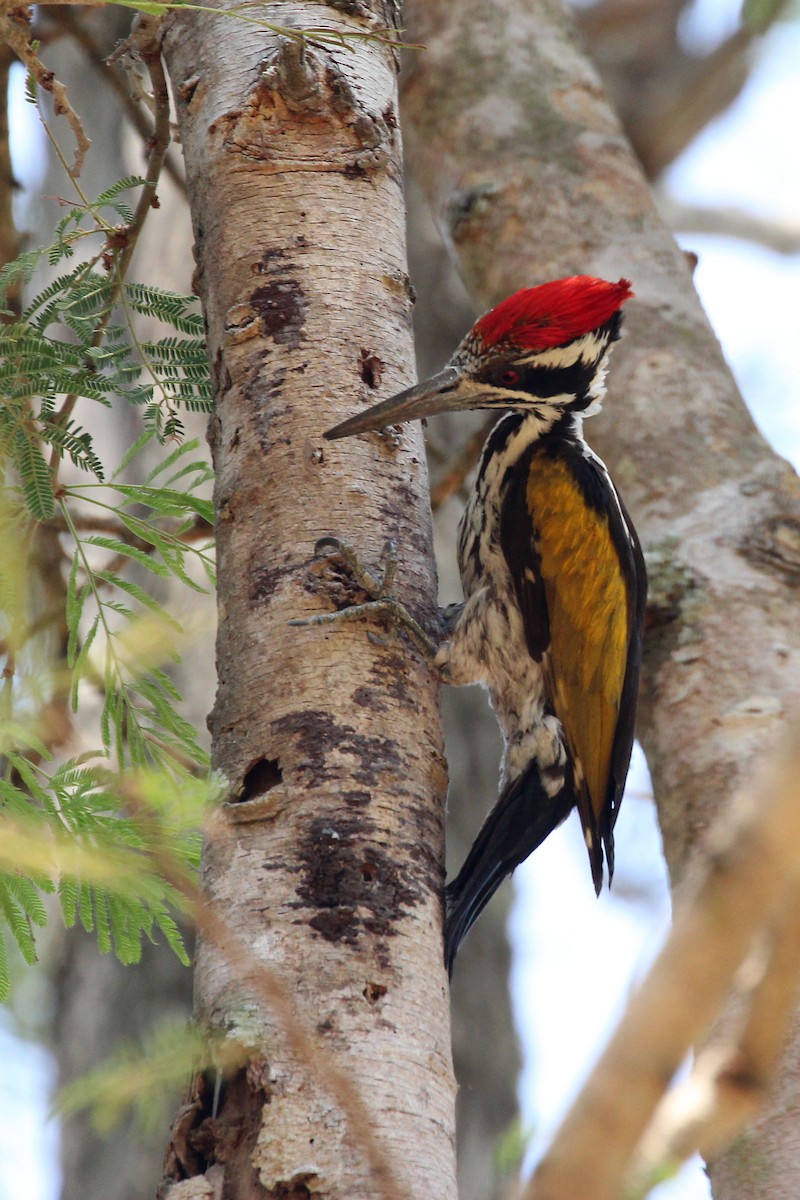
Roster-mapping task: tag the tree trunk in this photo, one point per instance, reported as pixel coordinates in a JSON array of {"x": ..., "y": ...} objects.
[
  {"x": 327, "y": 861},
  {"x": 526, "y": 168}
]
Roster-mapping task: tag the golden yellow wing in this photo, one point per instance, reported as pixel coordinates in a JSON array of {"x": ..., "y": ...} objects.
[{"x": 581, "y": 584}]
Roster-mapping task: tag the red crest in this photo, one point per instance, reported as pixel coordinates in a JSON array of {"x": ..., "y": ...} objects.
[{"x": 552, "y": 314}]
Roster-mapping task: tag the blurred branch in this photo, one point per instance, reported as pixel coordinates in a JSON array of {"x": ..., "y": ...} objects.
[
  {"x": 199, "y": 529},
  {"x": 730, "y": 1076},
  {"x": 71, "y": 24},
  {"x": 746, "y": 886},
  {"x": 9, "y": 236},
  {"x": 665, "y": 94},
  {"x": 783, "y": 237},
  {"x": 707, "y": 87}
]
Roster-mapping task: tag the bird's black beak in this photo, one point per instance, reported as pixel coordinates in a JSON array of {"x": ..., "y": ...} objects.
[{"x": 443, "y": 392}]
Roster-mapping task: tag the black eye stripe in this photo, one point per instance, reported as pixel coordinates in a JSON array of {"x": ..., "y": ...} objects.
[{"x": 544, "y": 381}]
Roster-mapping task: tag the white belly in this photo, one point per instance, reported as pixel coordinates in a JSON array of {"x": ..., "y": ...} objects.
[{"x": 488, "y": 647}]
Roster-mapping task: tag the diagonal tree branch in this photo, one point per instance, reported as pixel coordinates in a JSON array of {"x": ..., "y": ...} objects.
[{"x": 745, "y": 885}]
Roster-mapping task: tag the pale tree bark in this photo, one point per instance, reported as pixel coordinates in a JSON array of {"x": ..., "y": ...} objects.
[
  {"x": 326, "y": 863},
  {"x": 527, "y": 171}
]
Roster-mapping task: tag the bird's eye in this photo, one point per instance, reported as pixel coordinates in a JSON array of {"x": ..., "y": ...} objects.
[{"x": 509, "y": 378}]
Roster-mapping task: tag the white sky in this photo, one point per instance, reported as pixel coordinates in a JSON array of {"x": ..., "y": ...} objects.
[{"x": 572, "y": 975}]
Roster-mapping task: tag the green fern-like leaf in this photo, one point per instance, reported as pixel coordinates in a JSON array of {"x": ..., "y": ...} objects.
[
  {"x": 75, "y": 444},
  {"x": 19, "y": 271},
  {"x": 126, "y": 550},
  {"x": 17, "y": 920},
  {"x": 5, "y": 975},
  {"x": 68, "y": 896},
  {"x": 142, "y": 1078},
  {"x": 36, "y": 483},
  {"x": 116, "y": 189},
  {"x": 69, "y": 343},
  {"x": 170, "y": 307}
]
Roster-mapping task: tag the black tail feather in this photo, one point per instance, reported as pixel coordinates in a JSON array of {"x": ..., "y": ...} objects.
[{"x": 522, "y": 818}]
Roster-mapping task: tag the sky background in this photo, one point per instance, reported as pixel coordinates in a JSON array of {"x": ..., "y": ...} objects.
[{"x": 568, "y": 1002}]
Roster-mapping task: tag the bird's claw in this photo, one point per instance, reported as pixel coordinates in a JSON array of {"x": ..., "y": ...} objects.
[{"x": 382, "y": 602}]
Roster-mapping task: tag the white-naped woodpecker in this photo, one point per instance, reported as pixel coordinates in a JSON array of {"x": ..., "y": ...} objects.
[{"x": 552, "y": 572}]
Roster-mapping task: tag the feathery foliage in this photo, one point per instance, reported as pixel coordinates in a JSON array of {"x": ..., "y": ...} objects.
[
  {"x": 141, "y": 1079},
  {"x": 97, "y": 637}
]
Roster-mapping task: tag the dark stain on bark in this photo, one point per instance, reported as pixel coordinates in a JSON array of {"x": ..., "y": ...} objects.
[
  {"x": 356, "y": 799},
  {"x": 220, "y": 375},
  {"x": 281, "y": 306},
  {"x": 350, "y": 882},
  {"x": 264, "y": 393},
  {"x": 371, "y": 698},
  {"x": 264, "y": 581},
  {"x": 266, "y": 264},
  {"x": 352, "y": 8},
  {"x": 316, "y": 734},
  {"x": 424, "y": 849},
  {"x": 393, "y": 672}
]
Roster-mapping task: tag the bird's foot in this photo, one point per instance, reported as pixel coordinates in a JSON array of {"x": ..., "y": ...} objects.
[{"x": 378, "y": 588}]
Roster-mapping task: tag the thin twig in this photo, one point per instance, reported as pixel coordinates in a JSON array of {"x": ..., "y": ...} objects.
[
  {"x": 15, "y": 28},
  {"x": 148, "y": 48},
  {"x": 116, "y": 79}
]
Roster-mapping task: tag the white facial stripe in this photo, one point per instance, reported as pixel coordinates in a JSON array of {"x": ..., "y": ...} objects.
[
  {"x": 507, "y": 397},
  {"x": 586, "y": 349}
]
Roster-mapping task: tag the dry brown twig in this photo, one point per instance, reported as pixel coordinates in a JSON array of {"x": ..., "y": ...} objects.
[
  {"x": 747, "y": 886},
  {"x": 15, "y": 30},
  {"x": 118, "y": 78}
]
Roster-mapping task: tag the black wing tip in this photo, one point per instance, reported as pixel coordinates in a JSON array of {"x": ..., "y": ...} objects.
[
  {"x": 597, "y": 858},
  {"x": 465, "y": 899},
  {"x": 522, "y": 818}
]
